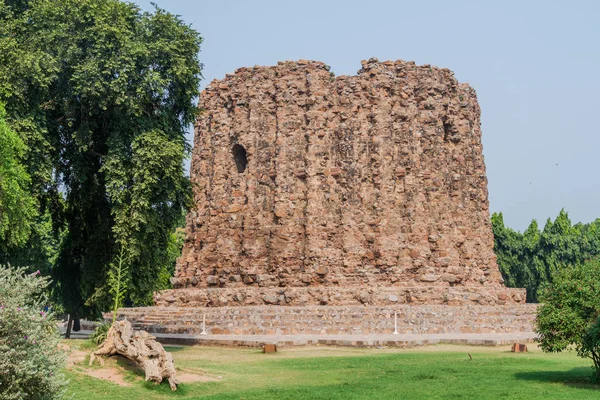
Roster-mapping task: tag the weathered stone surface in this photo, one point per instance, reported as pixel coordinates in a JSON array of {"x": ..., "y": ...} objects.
[
  {"x": 435, "y": 293},
  {"x": 305, "y": 181}
]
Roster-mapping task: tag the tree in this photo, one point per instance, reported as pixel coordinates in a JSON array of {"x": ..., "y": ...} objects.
[
  {"x": 570, "y": 311},
  {"x": 103, "y": 92}
]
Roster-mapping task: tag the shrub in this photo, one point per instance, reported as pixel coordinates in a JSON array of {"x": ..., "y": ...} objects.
[
  {"x": 99, "y": 335},
  {"x": 31, "y": 360},
  {"x": 570, "y": 311}
]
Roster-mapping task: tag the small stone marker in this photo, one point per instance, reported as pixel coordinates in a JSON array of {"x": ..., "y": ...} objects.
[
  {"x": 270, "y": 348},
  {"x": 519, "y": 348}
]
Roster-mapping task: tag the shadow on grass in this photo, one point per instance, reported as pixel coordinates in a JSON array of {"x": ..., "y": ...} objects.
[
  {"x": 129, "y": 366},
  {"x": 164, "y": 388},
  {"x": 576, "y": 377},
  {"x": 175, "y": 349}
]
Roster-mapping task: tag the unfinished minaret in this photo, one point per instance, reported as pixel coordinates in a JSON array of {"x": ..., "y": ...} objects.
[{"x": 312, "y": 189}]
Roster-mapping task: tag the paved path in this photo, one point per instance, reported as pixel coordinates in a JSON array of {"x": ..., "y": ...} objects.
[{"x": 368, "y": 340}]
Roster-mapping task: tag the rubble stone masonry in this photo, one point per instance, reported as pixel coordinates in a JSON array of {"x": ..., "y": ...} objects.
[{"x": 315, "y": 189}]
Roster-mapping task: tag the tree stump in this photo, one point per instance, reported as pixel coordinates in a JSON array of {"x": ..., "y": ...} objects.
[{"x": 141, "y": 348}]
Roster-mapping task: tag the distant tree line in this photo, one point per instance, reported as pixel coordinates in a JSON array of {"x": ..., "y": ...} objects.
[{"x": 530, "y": 259}]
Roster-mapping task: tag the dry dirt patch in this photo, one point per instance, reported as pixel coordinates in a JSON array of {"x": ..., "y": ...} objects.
[
  {"x": 110, "y": 374},
  {"x": 189, "y": 377}
]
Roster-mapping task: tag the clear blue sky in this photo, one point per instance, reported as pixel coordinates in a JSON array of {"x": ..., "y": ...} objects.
[{"x": 535, "y": 66}]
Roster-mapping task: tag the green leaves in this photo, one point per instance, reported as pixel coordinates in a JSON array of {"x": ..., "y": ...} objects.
[
  {"x": 17, "y": 205},
  {"x": 118, "y": 277},
  {"x": 569, "y": 312},
  {"x": 146, "y": 185}
]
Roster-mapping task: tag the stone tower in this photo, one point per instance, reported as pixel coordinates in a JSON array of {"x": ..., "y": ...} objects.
[{"x": 311, "y": 189}]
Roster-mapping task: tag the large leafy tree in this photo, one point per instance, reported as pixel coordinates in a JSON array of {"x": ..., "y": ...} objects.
[{"x": 102, "y": 94}]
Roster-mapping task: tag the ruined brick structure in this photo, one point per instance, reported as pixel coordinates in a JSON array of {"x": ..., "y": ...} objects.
[{"x": 311, "y": 189}]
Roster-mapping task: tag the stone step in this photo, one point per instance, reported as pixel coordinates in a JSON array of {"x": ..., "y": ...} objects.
[
  {"x": 196, "y": 318},
  {"x": 252, "y": 320},
  {"x": 328, "y": 330}
]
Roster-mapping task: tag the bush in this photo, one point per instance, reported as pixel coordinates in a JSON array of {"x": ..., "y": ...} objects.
[
  {"x": 31, "y": 360},
  {"x": 570, "y": 311},
  {"x": 99, "y": 335}
]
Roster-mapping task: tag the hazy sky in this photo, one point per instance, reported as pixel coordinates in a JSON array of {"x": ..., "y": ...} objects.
[{"x": 535, "y": 66}]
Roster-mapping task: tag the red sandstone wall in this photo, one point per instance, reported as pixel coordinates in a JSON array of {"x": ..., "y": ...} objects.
[{"x": 376, "y": 179}]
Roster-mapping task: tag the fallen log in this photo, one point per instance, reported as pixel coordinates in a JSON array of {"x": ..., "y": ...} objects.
[{"x": 141, "y": 348}]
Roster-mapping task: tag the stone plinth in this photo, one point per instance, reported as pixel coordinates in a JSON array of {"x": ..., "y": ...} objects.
[{"x": 374, "y": 296}]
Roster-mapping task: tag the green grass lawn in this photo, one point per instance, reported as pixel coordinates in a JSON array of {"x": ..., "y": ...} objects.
[{"x": 436, "y": 372}]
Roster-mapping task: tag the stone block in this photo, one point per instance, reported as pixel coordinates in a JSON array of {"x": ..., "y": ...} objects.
[
  {"x": 449, "y": 278},
  {"x": 519, "y": 348},
  {"x": 270, "y": 298},
  {"x": 428, "y": 278},
  {"x": 321, "y": 270},
  {"x": 212, "y": 280},
  {"x": 270, "y": 348}
]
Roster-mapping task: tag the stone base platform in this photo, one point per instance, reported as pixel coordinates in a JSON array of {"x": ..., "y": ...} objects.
[
  {"x": 334, "y": 320},
  {"x": 311, "y": 296}
]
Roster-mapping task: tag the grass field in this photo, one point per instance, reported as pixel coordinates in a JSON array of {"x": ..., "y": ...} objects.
[{"x": 436, "y": 372}]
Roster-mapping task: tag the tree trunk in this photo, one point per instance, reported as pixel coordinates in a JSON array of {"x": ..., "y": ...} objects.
[
  {"x": 68, "y": 332},
  {"x": 596, "y": 359},
  {"x": 142, "y": 349},
  {"x": 76, "y": 324}
]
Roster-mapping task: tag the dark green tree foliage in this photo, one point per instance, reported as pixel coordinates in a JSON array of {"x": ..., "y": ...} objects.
[
  {"x": 108, "y": 91},
  {"x": 570, "y": 310},
  {"x": 529, "y": 259}
]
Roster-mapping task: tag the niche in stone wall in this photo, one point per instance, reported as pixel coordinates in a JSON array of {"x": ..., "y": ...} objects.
[
  {"x": 450, "y": 131},
  {"x": 240, "y": 157}
]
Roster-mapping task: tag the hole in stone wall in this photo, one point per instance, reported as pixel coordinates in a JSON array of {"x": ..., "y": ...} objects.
[
  {"x": 450, "y": 132},
  {"x": 240, "y": 157}
]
